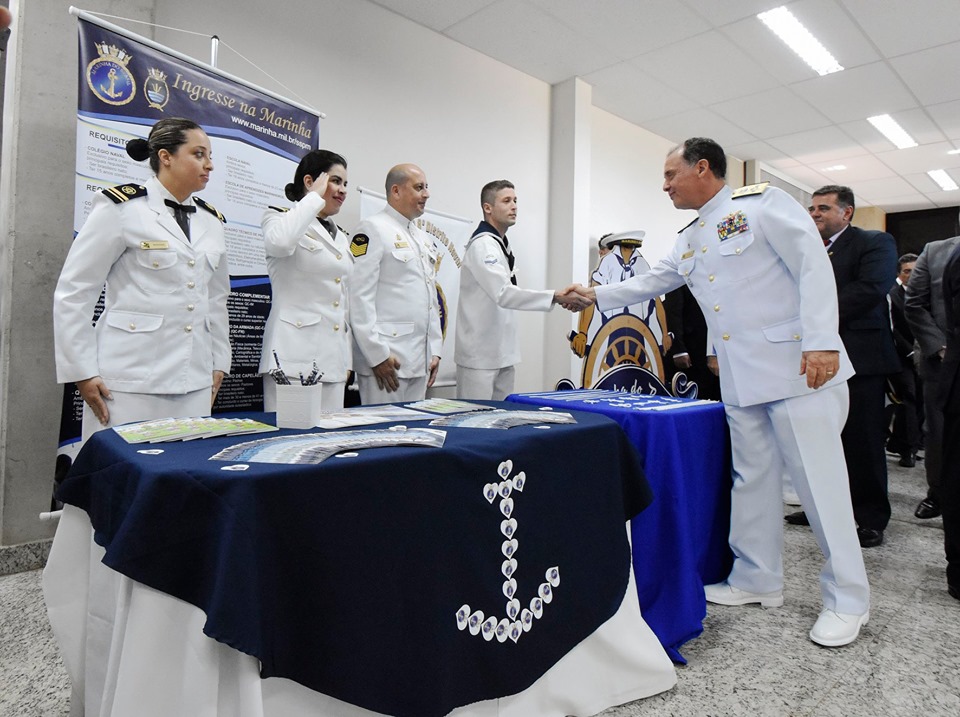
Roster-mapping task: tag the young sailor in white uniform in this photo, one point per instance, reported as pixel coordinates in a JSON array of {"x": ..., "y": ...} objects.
[{"x": 487, "y": 347}]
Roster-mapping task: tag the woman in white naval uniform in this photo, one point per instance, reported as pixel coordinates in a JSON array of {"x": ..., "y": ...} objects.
[
  {"x": 161, "y": 347},
  {"x": 309, "y": 262}
]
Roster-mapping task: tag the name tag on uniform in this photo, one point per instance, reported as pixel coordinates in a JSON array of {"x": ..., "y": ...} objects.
[
  {"x": 154, "y": 245},
  {"x": 401, "y": 244},
  {"x": 686, "y": 255}
]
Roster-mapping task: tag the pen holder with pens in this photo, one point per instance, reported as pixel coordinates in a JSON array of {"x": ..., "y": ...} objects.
[{"x": 298, "y": 406}]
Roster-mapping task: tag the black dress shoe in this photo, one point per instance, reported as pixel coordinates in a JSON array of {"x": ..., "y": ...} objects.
[
  {"x": 907, "y": 460},
  {"x": 869, "y": 538},
  {"x": 798, "y": 518},
  {"x": 928, "y": 508},
  {"x": 954, "y": 591}
]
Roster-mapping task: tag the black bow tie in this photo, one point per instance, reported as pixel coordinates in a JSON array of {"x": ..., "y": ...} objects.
[{"x": 180, "y": 212}]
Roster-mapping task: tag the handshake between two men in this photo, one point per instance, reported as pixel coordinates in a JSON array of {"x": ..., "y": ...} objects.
[{"x": 575, "y": 297}]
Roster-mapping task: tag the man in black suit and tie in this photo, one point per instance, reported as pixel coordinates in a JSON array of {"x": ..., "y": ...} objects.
[
  {"x": 905, "y": 436},
  {"x": 688, "y": 352},
  {"x": 865, "y": 268},
  {"x": 925, "y": 310},
  {"x": 949, "y": 401}
]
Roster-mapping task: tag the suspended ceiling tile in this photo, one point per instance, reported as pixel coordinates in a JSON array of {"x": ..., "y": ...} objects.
[
  {"x": 920, "y": 159},
  {"x": 898, "y": 27},
  {"x": 699, "y": 123},
  {"x": 916, "y": 122},
  {"x": 435, "y": 14},
  {"x": 627, "y": 28},
  {"x": 857, "y": 93},
  {"x": 708, "y": 68},
  {"x": 525, "y": 37},
  {"x": 771, "y": 113},
  {"x": 932, "y": 74},
  {"x": 819, "y": 145},
  {"x": 630, "y": 93}
]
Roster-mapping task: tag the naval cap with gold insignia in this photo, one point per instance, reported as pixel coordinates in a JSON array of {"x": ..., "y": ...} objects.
[{"x": 630, "y": 238}]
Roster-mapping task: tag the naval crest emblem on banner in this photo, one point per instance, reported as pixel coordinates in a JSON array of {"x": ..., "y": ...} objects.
[
  {"x": 155, "y": 89},
  {"x": 108, "y": 76}
]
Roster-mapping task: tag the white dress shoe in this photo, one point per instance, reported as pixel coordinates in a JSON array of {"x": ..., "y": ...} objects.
[
  {"x": 834, "y": 629},
  {"x": 727, "y": 594}
]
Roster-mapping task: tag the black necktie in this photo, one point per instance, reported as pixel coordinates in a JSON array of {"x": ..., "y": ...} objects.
[
  {"x": 510, "y": 259},
  {"x": 180, "y": 212}
]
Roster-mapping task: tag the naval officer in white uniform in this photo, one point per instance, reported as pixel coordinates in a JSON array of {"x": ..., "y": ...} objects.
[
  {"x": 161, "y": 347},
  {"x": 487, "y": 348},
  {"x": 394, "y": 310},
  {"x": 309, "y": 263},
  {"x": 754, "y": 261}
]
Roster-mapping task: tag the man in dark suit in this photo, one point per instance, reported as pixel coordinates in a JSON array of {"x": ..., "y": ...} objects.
[
  {"x": 688, "y": 352},
  {"x": 905, "y": 436},
  {"x": 924, "y": 309},
  {"x": 949, "y": 401},
  {"x": 865, "y": 268}
]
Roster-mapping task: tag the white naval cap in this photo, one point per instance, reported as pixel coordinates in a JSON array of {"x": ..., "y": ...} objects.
[{"x": 632, "y": 238}]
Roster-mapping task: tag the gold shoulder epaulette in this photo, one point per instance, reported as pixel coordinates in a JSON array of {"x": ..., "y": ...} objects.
[
  {"x": 279, "y": 209},
  {"x": 750, "y": 190},
  {"x": 125, "y": 192},
  {"x": 210, "y": 208}
]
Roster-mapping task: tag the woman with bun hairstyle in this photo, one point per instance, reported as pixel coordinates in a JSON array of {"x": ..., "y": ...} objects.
[
  {"x": 161, "y": 347},
  {"x": 309, "y": 263}
]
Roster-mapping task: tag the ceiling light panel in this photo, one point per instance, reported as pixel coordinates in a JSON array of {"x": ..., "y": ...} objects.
[
  {"x": 889, "y": 128},
  {"x": 798, "y": 38}
]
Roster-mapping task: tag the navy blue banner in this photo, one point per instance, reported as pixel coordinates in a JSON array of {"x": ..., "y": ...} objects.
[{"x": 119, "y": 76}]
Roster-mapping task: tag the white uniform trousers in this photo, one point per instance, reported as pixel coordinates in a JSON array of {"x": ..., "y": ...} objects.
[
  {"x": 129, "y": 407},
  {"x": 483, "y": 384},
  {"x": 331, "y": 395},
  {"x": 411, "y": 389},
  {"x": 801, "y": 436}
]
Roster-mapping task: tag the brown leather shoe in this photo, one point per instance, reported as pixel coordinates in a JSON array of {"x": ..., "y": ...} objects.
[{"x": 928, "y": 508}]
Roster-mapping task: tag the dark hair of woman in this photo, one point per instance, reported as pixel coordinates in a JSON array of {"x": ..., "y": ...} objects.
[
  {"x": 313, "y": 164},
  {"x": 169, "y": 133}
]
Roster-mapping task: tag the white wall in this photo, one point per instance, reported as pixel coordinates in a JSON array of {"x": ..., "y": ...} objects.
[
  {"x": 627, "y": 176},
  {"x": 396, "y": 92}
]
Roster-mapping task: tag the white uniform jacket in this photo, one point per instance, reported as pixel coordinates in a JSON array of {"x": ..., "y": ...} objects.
[
  {"x": 308, "y": 271},
  {"x": 486, "y": 322},
  {"x": 165, "y": 326},
  {"x": 393, "y": 295},
  {"x": 758, "y": 269}
]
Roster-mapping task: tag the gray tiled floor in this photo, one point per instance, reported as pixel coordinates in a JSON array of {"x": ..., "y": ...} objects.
[{"x": 749, "y": 661}]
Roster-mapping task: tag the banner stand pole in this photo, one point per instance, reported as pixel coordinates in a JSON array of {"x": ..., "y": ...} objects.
[{"x": 214, "y": 49}]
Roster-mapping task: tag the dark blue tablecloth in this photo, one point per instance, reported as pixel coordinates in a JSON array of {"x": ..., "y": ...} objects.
[
  {"x": 347, "y": 576},
  {"x": 680, "y": 541}
]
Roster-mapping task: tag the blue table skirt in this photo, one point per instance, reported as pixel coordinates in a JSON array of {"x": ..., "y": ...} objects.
[
  {"x": 680, "y": 541},
  {"x": 347, "y": 576}
]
